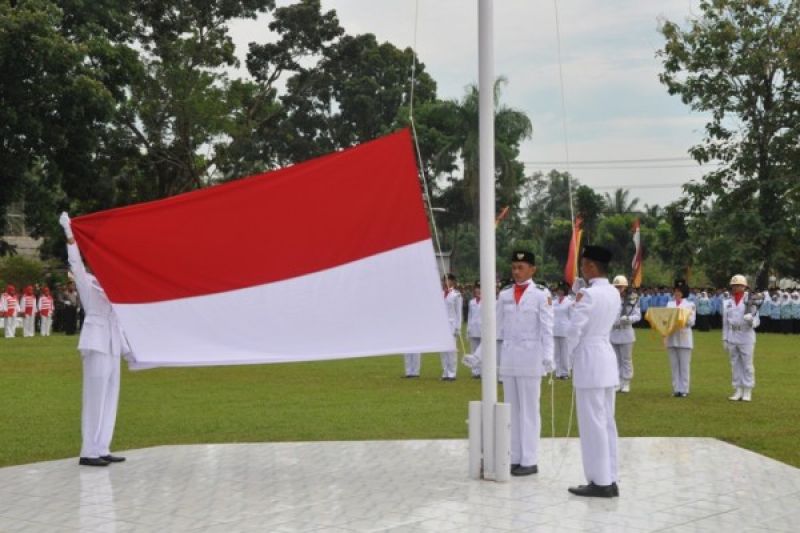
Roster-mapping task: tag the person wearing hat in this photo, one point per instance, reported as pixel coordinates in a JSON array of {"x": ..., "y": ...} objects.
[
  {"x": 525, "y": 314},
  {"x": 10, "y": 308},
  {"x": 29, "y": 311},
  {"x": 474, "y": 324},
  {"x": 739, "y": 339},
  {"x": 45, "y": 311},
  {"x": 101, "y": 344},
  {"x": 595, "y": 375},
  {"x": 562, "y": 307},
  {"x": 680, "y": 343},
  {"x": 622, "y": 335},
  {"x": 455, "y": 309}
]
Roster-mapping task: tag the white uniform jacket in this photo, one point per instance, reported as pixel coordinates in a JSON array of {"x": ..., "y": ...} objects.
[
  {"x": 561, "y": 313},
  {"x": 622, "y": 330},
  {"x": 595, "y": 362},
  {"x": 527, "y": 329},
  {"x": 735, "y": 329},
  {"x": 101, "y": 331},
  {"x": 683, "y": 337},
  {"x": 474, "y": 319},
  {"x": 25, "y": 301},
  {"x": 455, "y": 310},
  {"x": 8, "y": 303}
]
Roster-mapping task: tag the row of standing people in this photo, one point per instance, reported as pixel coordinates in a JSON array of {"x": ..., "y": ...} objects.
[{"x": 37, "y": 309}]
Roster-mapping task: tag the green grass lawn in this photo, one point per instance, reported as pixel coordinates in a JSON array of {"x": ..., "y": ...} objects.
[{"x": 360, "y": 399}]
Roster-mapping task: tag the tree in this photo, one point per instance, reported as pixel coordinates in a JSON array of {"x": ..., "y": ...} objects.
[
  {"x": 739, "y": 62},
  {"x": 618, "y": 204}
]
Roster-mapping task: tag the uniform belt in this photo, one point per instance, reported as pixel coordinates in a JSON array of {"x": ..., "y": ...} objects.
[
  {"x": 622, "y": 326},
  {"x": 739, "y": 328}
]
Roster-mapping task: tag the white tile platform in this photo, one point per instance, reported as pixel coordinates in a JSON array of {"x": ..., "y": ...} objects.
[{"x": 667, "y": 484}]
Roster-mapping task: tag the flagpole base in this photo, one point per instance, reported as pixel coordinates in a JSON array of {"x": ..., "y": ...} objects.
[
  {"x": 475, "y": 455},
  {"x": 502, "y": 442}
]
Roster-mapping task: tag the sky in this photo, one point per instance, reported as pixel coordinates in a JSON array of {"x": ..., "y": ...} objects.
[{"x": 616, "y": 109}]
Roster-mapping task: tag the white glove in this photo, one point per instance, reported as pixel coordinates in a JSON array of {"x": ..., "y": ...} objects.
[
  {"x": 748, "y": 318},
  {"x": 548, "y": 365},
  {"x": 726, "y": 346},
  {"x": 624, "y": 320},
  {"x": 66, "y": 223},
  {"x": 578, "y": 284}
]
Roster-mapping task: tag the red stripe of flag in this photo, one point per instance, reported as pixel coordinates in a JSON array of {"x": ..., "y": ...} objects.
[{"x": 269, "y": 227}]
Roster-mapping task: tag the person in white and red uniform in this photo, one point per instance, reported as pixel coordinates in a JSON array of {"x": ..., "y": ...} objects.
[
  {"x": 739, "y": 338},
  {"x": 525, "y": 313},
  {"x": 474, "y": 325},
  {"x": 46, "y": 309},
  {"x": 9, "y": 307},
  {"x": 101, "y": 345},
  {"x": 29, "y": 310}
]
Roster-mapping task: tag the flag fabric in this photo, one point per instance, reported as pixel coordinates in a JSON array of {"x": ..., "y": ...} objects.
[
  {"x": 571, "y": 268},
  {"x": 501, "y": 216},
  {"x": 667, "y": 320},
  {"x": 636, "y": 278},
  {"x": 327, "y": 259}
]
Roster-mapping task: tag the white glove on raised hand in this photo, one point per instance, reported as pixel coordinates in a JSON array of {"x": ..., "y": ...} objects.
[
  {"x": 66, "y": 223},
  {"x": 578, "y": 284},
  {"x": 748, "y": 318}
]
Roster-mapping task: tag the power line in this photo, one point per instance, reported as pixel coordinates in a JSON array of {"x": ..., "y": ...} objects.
[
  {"x": 604, "y": 161},
  {"x": 645, "y": 167}
]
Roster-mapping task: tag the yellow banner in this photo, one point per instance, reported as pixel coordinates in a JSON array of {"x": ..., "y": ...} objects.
[{"x": 667, "y": 320}]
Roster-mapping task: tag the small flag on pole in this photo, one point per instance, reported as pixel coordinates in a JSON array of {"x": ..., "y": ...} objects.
[
  {"x": 636, "y": 278},
  {"x": 571, "y": 268},
  {"x": 500, "y": 217}
]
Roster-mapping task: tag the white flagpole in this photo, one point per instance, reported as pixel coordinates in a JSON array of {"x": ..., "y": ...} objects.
[{"x": 487, "y": 232}]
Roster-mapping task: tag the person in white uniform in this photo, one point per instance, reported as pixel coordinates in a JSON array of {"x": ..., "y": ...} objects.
[
  {"x": 46, "y": 309},
  {"x": 622, "y": 335},
  {"x": 525, "y": 311},
  {"x": 562, "y": 308},
  {"x": 474, "y": 325},
  {"x": 10, "y": 308},
  {"x": 454, "y": 304},
  {"x": 680, "y": 344},
  {"x": 413, "y": 362},
  {"x": 739, "y": 339},
  {"x": 595, "y": 375},
  {"x": 29, "y": 310},
  {"x": 101, "y": 344}
]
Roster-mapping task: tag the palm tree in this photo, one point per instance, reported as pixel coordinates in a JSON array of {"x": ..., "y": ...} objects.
[
  {"x": 618, "y": 203},
  {"x": 511, "y": 128}
]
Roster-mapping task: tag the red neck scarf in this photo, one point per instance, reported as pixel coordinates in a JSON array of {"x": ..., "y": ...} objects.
[
  {"x": 519, "y": 290},
  {"x": 738, "y": 297}
]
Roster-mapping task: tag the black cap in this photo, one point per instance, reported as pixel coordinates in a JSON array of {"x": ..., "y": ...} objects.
[
  {"x": 680, "y": 284},
  {"x": 524, "y": 256},
  {"x": 597, "y": 253}
]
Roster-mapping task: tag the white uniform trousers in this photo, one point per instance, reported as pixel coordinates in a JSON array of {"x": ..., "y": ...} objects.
[
  {"x": 46, "y": 325},
  {"x": 10, "y": 327},
  {"x": 526, "y": 424},
  {"x": 561, "y": 356},
  {"x": 497, "y": 358},
  {"x": 598, "y": 434},
  {"x": 412, "y": 363},
  {"x": 680, "y": 360},
  {"x": 28, "y": 326},
  {"x": 473, "y": 345},
  {"x": 449, "y": 360},
  {"x": 624, "y": 360},
  {"x": 100, "y": 397},
  {"x": 744, "y": 371}
]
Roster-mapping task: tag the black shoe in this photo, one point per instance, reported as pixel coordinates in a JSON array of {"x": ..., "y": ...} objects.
[
  {"x": 112, "y": 458},
  {"x": 93, "y": 461},
  {"x": 615, "y": 489},
  {"x": 476, "y": 377},
  {"x": 514, "y": 466},
  {"x": 684, "y": 394},
  {"x": 676, "y": 394},
  {"x": 525, "y": 470},
  {"x": 594, "y": 491}
]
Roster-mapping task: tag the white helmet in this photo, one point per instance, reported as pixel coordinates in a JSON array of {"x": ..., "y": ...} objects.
[
  {"x": 738, "y": 279},
  {"x": 620, "y": 281}
]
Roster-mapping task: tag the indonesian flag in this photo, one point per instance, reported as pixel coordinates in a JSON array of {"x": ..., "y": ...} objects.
[
  {"x": 571, "y": 268},
  {"x": 636, "y": 278},
  {"x": 327, "y": 259}
]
